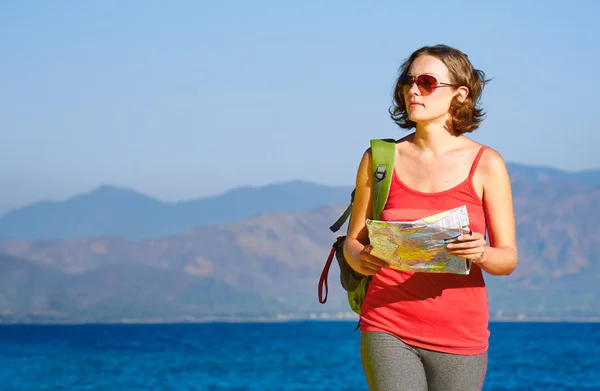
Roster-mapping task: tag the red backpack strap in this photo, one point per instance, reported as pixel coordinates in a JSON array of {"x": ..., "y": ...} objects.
[{"x": 325, "y": 272}]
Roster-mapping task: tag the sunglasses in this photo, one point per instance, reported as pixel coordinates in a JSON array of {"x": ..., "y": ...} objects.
[{"x": 426, "y": 83}]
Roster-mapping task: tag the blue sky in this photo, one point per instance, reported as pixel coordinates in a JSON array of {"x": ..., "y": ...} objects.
[{"x": 189, "y": 99}]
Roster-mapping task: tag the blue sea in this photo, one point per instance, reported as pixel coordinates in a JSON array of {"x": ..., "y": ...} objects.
[{"x": 267, "y": 356}]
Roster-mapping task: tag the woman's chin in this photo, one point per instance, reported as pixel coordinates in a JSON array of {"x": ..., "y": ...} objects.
[
  {"x": 415, "y": 117},
  {"x": 423, "y": 119}
]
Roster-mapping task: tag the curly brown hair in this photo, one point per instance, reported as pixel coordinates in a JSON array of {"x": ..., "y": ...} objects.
[{"x": 466, "y": 115}]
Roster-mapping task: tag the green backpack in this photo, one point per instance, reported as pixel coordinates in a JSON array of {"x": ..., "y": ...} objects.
[{"x": 355, "y": 284}]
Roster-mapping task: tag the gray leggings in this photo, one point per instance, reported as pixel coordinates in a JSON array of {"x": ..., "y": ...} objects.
[{"x": 392, "y": 365}]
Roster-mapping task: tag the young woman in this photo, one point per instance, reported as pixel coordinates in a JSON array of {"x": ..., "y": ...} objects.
[{"x": 429, "y": 331}]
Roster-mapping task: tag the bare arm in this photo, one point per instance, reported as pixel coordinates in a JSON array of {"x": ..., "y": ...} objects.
[
  {"x": 500, "y": 257},
  {"x": 356, "y": 245}
]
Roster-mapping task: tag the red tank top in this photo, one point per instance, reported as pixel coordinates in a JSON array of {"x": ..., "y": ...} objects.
[{"x": 437, "y": 311}]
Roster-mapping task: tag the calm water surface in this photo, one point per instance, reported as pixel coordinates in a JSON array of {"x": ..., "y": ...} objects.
[{"x": 268, "y": 356}]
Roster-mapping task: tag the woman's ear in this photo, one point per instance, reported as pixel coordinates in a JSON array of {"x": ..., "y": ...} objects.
[{"x": 462, "y": 93}]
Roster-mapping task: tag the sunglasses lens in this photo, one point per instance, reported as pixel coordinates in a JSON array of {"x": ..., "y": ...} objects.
[
  {"x": 406, "y": 82},
  {"x": 427, "y": 82}
]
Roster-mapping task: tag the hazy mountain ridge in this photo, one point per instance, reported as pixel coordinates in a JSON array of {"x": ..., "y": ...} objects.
[
  {"x": 118, "y": 291},
  {"x": 114, "y": 211},
  {"x": 270, "y": 258},
  {"x": 269, "y": 264},
  {"x": 110, "y": 210}
]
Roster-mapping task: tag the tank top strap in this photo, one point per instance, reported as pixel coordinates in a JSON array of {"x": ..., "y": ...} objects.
[{"x": 476, "y": 161}]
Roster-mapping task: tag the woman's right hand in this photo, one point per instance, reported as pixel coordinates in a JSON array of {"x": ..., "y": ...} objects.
[{"x": 369, "y": 264}]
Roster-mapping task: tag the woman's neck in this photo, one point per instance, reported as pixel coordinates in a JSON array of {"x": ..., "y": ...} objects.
[{"x": 435, "y": 138}]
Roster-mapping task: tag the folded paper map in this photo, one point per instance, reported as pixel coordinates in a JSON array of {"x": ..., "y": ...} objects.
[{"x": 420, "y": 245}]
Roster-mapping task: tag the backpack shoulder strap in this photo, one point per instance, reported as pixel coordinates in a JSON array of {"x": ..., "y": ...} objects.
[
  {"x": 342, "y": 219},
  {"x": 383, "y": 152}
]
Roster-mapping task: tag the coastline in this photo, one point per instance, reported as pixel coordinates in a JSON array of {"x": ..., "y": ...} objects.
[{"x": 260, "y": 319}]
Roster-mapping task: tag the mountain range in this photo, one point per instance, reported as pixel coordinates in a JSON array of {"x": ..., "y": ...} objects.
[
  {"x": 109, "y": 210},
  {"x": 117, "y": 255}
]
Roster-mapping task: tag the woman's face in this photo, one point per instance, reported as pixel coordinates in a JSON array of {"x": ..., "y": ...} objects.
[{"x": 426, "y": 104}]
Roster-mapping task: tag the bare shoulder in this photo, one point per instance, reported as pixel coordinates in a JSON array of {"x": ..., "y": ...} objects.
[
  {"x": 493, "y": 175},
  {"x": 363, "y": 177},
  {"x": 492, "y": 163},
  {"x": 365, "y": 160}
]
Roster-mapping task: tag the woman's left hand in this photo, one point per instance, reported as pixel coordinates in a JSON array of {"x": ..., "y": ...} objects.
[{"x": 469, "y": 246}]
